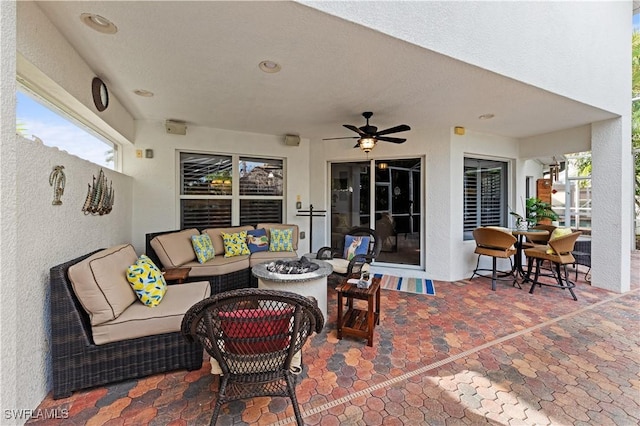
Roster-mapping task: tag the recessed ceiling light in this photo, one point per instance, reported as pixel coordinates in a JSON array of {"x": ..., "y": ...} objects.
[
  {"x": 486, "y": 116},
  {"x": 269, "y": 66},
  {"x": 98, "y": 23},
  {"x": 143, "y": 93}
]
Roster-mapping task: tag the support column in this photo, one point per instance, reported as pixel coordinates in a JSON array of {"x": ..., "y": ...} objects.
[
  {"x": 9, "y": 392},
  {"x": 612, "y": 204}
]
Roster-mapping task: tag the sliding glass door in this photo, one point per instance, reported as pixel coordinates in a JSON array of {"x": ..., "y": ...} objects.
[{"x": 384, "y": 195}]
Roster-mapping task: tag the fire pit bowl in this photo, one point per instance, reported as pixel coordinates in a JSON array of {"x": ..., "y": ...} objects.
[{"x": 307, "y": 277}]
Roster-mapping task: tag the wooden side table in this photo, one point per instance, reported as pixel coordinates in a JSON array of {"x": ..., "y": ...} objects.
[
  {"x": 176, "y": 274},
  {"x": 358, "y": 322}
]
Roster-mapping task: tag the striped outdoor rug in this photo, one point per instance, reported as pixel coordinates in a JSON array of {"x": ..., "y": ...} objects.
[{"x": 410, "y": 285}]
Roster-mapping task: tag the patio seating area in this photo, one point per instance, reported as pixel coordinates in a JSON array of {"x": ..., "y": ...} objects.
[{"x": 467, "y": 355}]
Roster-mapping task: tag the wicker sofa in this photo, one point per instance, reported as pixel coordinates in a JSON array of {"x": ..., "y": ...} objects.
[
  {"x": 79, "y": 362},
  {"x": 173, "y": 249}
]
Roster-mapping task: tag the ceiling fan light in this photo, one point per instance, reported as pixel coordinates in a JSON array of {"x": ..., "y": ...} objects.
[{"x": 367, "y": 144}]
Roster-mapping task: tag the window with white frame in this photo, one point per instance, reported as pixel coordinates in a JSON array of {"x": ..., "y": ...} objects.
[
  {"x": 485, "y": 194},
  {"x": 40, "y": 119},
  {"x": 228, "y": 190}
]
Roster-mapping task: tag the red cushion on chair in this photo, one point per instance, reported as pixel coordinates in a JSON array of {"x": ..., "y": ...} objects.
[{"x": 256, "y": 323}]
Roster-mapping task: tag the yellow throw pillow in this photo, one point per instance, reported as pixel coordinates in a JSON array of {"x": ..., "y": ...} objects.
[
  {"x": 235, "y": 244},
  {"x": 147, "y": 281},
  {"x": 557, "y": 233}
]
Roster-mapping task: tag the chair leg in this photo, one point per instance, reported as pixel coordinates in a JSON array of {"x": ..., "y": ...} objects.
[
  {"x": 221, "y": 392},
  {"x": 535, "y": 278},
  {"x": 515, "y": 276},
  {"x": 566, "y": 284},
  {"x": 475, "y": 271},
  {"x": 494, "y": 273},
  {"x": 294, "y": 400}
]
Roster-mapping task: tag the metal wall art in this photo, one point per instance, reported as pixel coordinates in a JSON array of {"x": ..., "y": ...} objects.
[
  {"x": 100, "y": 197},
  {"x": 57, "y": 179}
]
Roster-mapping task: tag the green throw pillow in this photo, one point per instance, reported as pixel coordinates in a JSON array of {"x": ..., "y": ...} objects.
[
  {"x": 203, "y": 247},
  {"x": 281, "y": 239},
  {"x": 147, "y": 281},
  {"x": 235, "y": 244}
]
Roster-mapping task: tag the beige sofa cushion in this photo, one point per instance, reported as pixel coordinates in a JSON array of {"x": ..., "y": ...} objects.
[
  {"x": 266, "y": 256},
  {"x": 139, "y": 320},
  {"x": 175, "y": 248},
  {"x": 219, "y": 265},
  {"x": 296, "y": 231},
  {"x": 100, "y": 283},
  {"x": 216, "y": 237}
]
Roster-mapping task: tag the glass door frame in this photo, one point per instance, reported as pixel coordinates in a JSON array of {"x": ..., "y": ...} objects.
[{"x": 372, "y": 205}]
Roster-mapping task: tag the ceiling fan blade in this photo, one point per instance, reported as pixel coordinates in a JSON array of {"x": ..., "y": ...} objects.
[
  {"x": 354, "y": 129},
  {"x": 348, "y": 137},
  {"x": 388, "y": 139},
  {"x": 396, "y": 129},
  {"x": 357, "y": 145}
]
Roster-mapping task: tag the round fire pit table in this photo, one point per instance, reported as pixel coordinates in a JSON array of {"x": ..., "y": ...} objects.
[{"x": 312, "y": 283}]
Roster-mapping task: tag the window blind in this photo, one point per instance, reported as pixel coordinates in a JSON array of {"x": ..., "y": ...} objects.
[{"x": 485, "y": 194}]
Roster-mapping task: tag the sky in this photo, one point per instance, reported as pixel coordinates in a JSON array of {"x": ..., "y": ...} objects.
[{"x": 53, "y": 130}]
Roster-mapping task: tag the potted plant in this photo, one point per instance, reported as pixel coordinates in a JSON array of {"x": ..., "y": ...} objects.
[
  {"x": 521, "y": 222},
  {"x": 538, "y": 210}
]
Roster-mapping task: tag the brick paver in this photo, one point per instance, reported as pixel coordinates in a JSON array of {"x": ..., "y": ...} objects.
[{"x": 464, "y": 356}]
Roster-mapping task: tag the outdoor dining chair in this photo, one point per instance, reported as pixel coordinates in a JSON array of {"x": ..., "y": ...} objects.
[
  {"x": 559, "y": 253},
  {"x": 497, "y": 244}
]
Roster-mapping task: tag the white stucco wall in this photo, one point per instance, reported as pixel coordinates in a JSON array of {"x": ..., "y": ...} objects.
[
  {"x": 47, "y": 60},
  {"x": 156, "y": 180},
  {"x": 9, "y": 340},
  {"x": 567, "y": 141},
  {"x": 445, "y": 255},
  {"x": 49, "y": 235},
  {"x": 557, "y": 46}
]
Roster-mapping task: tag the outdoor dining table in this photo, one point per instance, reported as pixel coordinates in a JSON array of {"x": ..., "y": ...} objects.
[{"x": 521, "y": 234}]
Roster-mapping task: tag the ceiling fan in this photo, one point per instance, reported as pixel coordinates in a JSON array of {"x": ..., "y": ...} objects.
[{"x": 369, "y": 135}]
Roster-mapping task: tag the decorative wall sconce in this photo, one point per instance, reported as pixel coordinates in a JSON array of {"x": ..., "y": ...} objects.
[
  {"x": 57, "y": 179},
  {"x": 100, "y": 198}
]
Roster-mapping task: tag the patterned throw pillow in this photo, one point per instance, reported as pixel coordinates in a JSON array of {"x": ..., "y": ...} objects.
[
  {"x": 203, "y": 247},
  {"x": 257, "y": 240},
  {"x": 557, "y": 233},
  {"x": 355, "y": 245},
  {"x": 235, "y": 244},
  {"x": 281, "y": 239},
  {"x": 147, "y": 281}
]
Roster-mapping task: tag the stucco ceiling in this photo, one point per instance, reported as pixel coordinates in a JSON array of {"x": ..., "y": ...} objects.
[{"x": 200, "y": 59}]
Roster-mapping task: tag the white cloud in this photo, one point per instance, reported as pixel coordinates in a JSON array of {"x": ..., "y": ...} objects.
[{"x": 71, "y": 139}]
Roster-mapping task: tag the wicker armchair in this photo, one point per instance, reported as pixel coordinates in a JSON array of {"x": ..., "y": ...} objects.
[
  {"x": 347, "y": 267},
  {"x": 495, "y": 243},
  {"x": 78, "y": 363},
  {"x": 254, "y": 335},
  {"x": 560, "y": 256}
]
